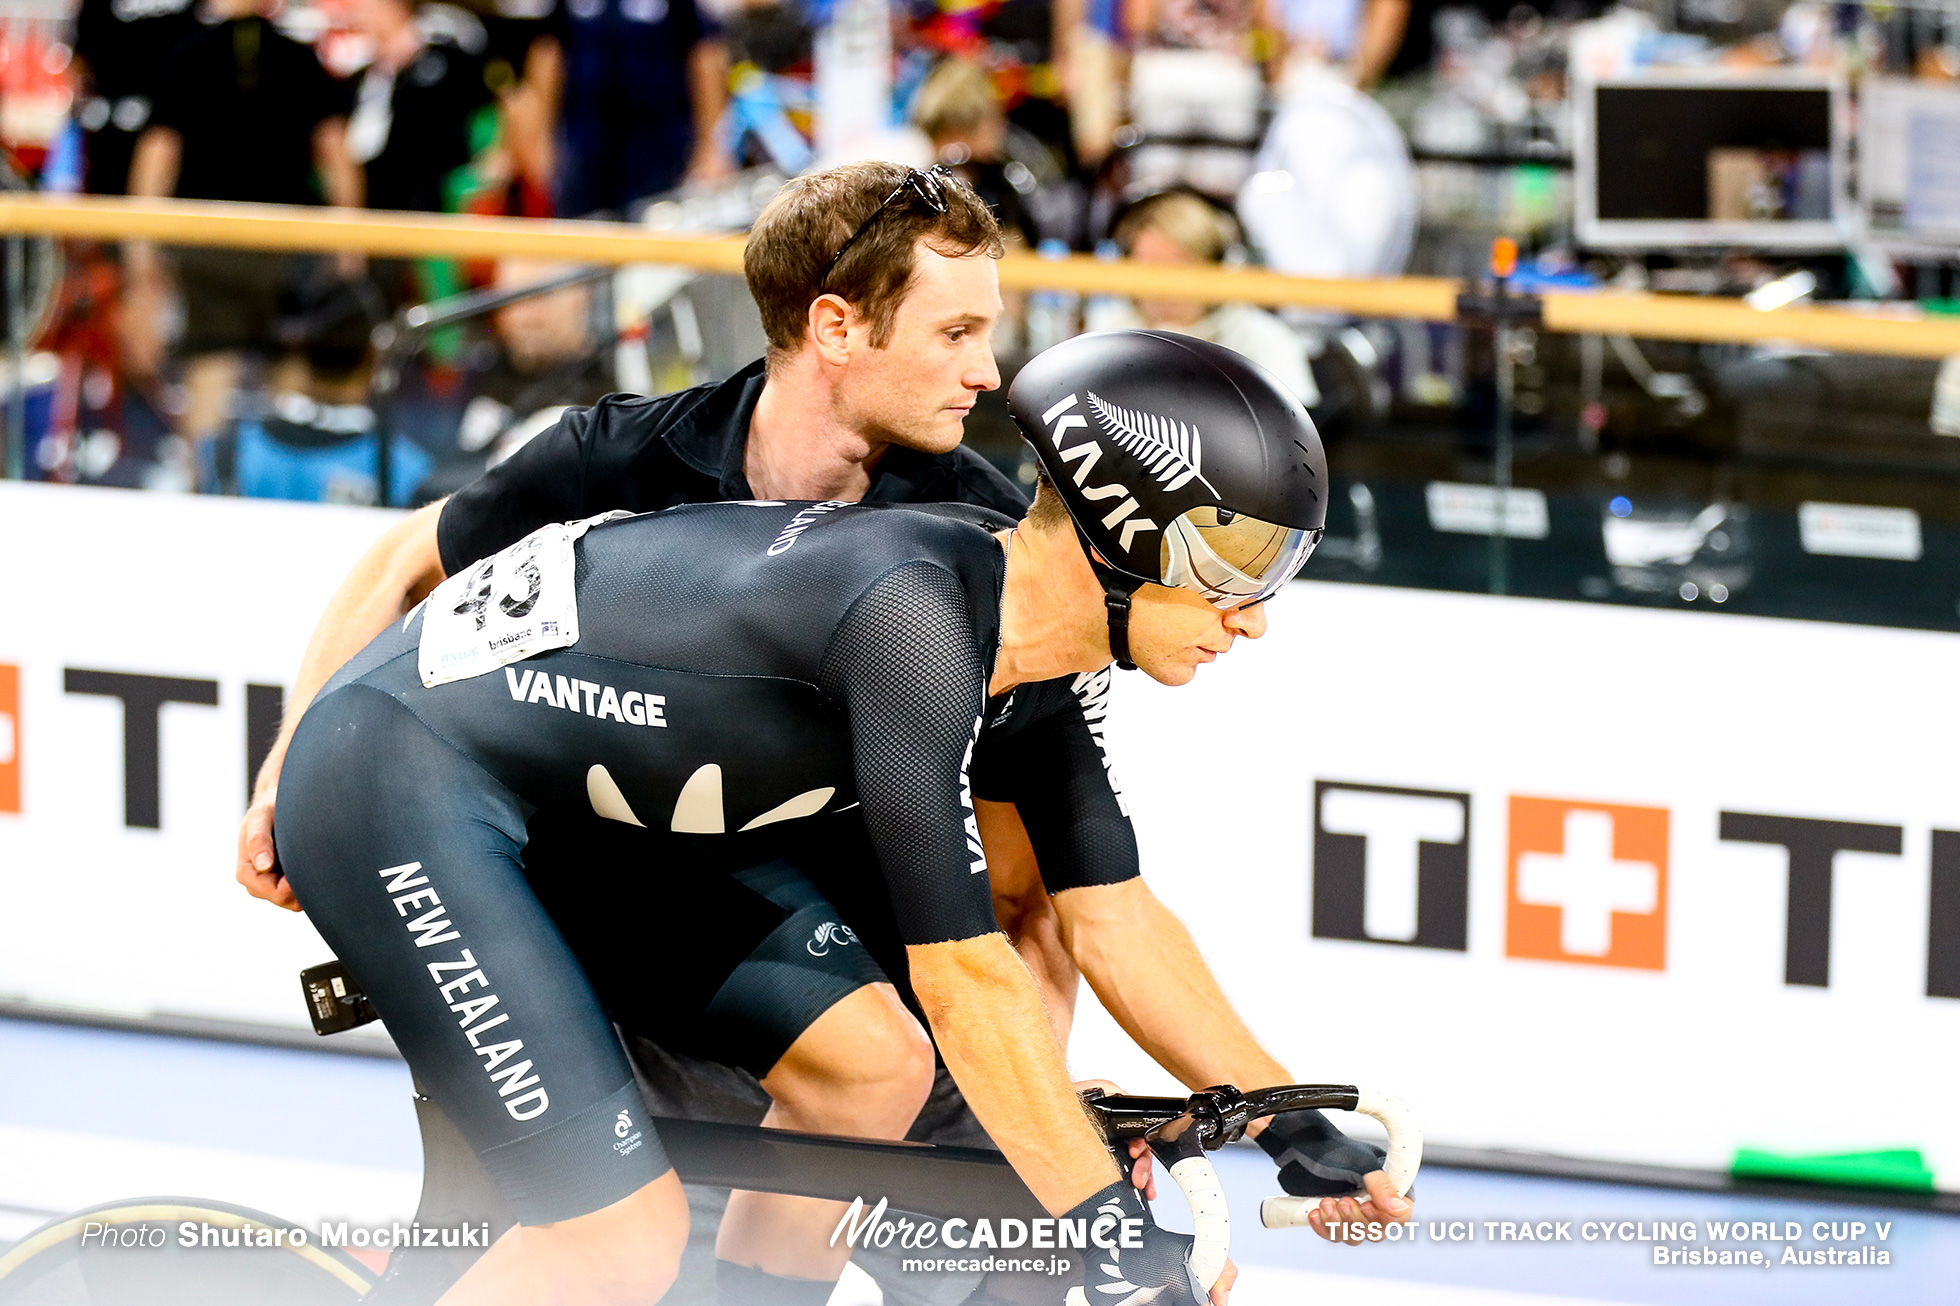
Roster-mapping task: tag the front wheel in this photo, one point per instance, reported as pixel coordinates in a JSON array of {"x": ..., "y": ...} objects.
[{"x": 176, "y": 1251}]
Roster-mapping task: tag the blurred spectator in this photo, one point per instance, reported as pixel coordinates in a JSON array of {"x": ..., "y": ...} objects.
[
  {"x": 540, "y": 355},
  {"x": 422, "y": 112},
  {"x": 314, "y": 438},
  {"x": 118, "y": 47},
  {"x": 1360, "y": 37},
  {"x": 960, "y": 113},
  {"x": 1181, "y": 227},
  {"x": 242, "y": 112},
  {"x": 644, "y": 82},
  {"x": 1334, "y": 194},
  {"x": 525, "y": 66},
  {"x": 1087, "y": 56},
  {"x": 1196, "y": 67}
]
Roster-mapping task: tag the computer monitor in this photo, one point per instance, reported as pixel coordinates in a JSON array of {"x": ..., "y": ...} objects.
[
  {"x": 1673, "y": 160},
  {"x": 1909, "y": 161}
]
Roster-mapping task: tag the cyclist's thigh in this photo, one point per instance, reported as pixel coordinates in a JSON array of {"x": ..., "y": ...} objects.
[
  {"x": 806, "y": 965},
  {"x": 407, "y": 858}
]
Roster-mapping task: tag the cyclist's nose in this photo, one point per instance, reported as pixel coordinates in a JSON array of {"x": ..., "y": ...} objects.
[{"x": 1249, "y": 622}]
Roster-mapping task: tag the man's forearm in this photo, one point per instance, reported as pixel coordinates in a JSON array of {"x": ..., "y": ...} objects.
[
  {"x": 341, "y": 178},
  {"x": 391, "y": 577},
  {"x": 707, "y": 84},
  {"x": 1144, "y": 966},
  {"x": 1024, "y": 912},
  {"x": 992, "y": 1031}
]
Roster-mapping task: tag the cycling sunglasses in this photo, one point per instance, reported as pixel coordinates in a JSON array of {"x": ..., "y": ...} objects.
[{"x": 927, "y": 187}]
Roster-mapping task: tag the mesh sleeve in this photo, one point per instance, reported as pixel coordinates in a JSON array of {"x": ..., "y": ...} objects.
[
  {"x": 905, "y": 664},
  {"x": 1058, "y": 777}
]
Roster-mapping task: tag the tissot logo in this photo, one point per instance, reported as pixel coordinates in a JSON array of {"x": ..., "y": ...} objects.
[
  {"x": 1391, "y": 865},
  {"x": 1588, "y": 882}
]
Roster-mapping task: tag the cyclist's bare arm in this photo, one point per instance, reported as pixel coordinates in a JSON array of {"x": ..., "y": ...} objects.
[
  {"x": 990, "y": 1026},
  {"x": 1023, "y": 908},
  {"x": 1144, "y": 966},
  {"x": 391, "y": 577}
]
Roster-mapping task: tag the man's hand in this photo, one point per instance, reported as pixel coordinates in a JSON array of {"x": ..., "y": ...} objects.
[
  {"x": 1381, "y": 1206},
  {"x": 1159, "y": 1271},
  {"x": 258, "y": 860},
  {"x": 1316, "y": 1159},
  {"x": 396, "y": 573},
  {"x": 1141, "y": 1174}
]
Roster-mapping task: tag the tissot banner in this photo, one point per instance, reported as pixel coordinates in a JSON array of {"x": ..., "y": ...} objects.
[
  {"x": 1599, "y": 881},
  {"x": 145, "y": 645}
]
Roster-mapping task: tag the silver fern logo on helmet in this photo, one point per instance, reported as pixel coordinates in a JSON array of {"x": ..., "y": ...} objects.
[{"x": 1171, "y": 450}]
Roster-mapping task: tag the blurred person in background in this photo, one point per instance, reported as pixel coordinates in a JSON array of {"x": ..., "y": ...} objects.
[
  {"x": 1359, "y": 38},
  {"x": 423, "y": 110},
  {"x": 242, "y": 112},
  {"x": 1180, "y": 227},
  {"x": 1199, "y": 68},
  {"x": 644, "y": 85},
  {"x": 1089, "y": 63},
  {"x": 314, "y": 438},
  {"x": 960, "y": 113},
  {"x": 425, "y": 129},
  {"x": 541, "y": 356},
  {"x": 525, "y": 66},
  {"x": 119, "y": 45}
]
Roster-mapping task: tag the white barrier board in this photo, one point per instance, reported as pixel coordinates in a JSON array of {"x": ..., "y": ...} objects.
[
  {"x": 1470, "y": 850},
  {"x": 116, "y": 889},
  {"x": 1573, "y": 928}
]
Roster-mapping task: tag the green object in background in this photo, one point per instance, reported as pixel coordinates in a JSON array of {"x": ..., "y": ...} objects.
[{"x": 1904, "y": 1168}]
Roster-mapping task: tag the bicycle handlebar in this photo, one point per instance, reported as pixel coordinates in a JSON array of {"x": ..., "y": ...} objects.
[{"x": 1181, "y": 1130}]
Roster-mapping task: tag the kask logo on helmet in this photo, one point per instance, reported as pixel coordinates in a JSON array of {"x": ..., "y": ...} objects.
[{"x": 1156, "y": 453}]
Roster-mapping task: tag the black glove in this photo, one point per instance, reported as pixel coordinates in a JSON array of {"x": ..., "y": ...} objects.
[
  {"x": 1315, "y": 1159},
  {"x": 1159, "y": 1272}
]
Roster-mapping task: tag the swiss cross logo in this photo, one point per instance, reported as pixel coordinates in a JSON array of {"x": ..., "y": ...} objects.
[
  {"x": 1588, "y": 883},
  {"x": 9, "y": 738}
]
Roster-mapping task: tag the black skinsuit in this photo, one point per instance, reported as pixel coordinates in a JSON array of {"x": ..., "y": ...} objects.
[{"x": 751, "y": 681}]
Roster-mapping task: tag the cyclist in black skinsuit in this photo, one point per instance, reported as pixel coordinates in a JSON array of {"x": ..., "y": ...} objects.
[{"x": 724, "y": 672}]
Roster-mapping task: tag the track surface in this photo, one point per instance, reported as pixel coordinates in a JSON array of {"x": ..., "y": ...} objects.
[{"x": 90, "y": 1115}]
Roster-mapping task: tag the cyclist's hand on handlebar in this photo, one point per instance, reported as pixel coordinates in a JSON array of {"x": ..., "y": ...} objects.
[
  {"x": 1141, "y": 1173},
  {"x": 258, "y": 864},
  {"x": 1317, "y": 1160},
  {"x": 1139, "y": 1276},
  {"x": 1381, "y": 1206}
]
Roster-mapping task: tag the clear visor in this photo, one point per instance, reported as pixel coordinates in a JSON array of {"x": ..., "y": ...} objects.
[{"x": 1233, "y": 559}]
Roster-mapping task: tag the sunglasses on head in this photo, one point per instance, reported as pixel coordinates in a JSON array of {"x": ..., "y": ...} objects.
[{"x": 926, "y": 186}]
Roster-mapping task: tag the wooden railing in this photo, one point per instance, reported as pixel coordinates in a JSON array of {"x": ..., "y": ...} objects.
[{"x": 1899, "y": 330}]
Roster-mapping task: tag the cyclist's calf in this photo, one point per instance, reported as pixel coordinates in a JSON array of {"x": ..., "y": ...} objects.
[{"x": 626, "y": 1254}]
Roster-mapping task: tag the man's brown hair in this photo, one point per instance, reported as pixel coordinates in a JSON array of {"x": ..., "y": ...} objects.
[{"x": 811, "y": 218}]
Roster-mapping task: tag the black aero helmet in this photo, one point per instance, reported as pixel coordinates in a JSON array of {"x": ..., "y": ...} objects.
[{"x": 1180, "y": 462}]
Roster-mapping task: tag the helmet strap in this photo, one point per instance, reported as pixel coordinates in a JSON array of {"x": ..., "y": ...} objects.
[{"x": 1117, "y": 589}]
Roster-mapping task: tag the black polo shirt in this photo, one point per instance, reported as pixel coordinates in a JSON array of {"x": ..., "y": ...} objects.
[{"x": 644, "y": 454}]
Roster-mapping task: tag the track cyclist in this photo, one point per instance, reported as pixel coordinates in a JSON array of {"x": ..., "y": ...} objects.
[{"x": 718, "y": 674}]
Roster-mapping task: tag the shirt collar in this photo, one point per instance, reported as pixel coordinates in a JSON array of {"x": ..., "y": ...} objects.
[{"x": 712, "y": 437}]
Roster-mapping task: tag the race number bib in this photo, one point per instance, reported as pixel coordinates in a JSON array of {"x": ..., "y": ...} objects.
[{"x": 506, "y": 608}]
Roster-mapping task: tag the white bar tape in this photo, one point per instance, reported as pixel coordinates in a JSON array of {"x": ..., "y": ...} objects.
[
  {"x": 1404, "y": 1159},
  {"x": 1212, "y": 1218},
  {"x": 1404, "y": 1136}
]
